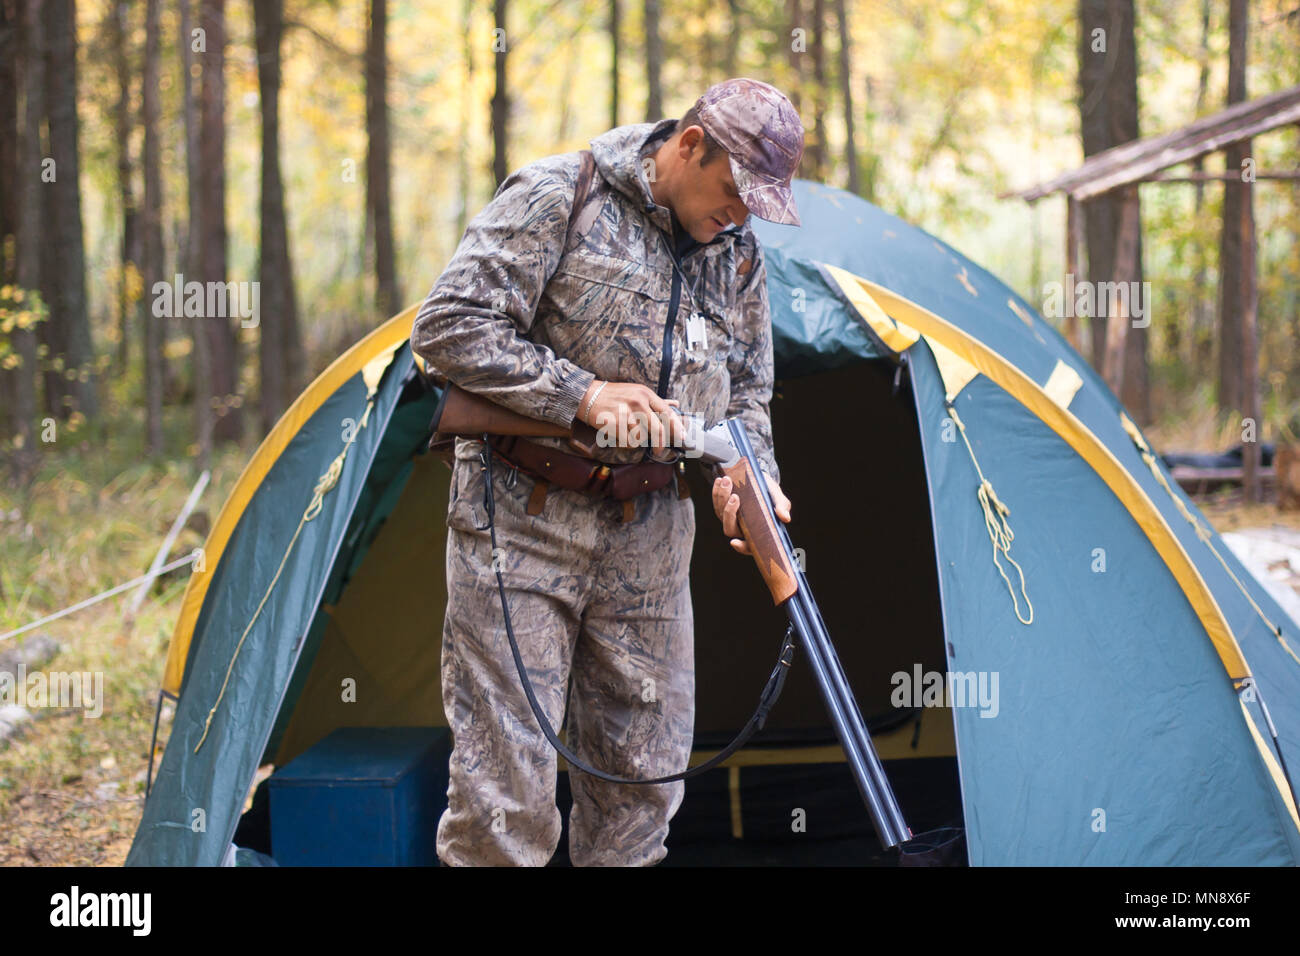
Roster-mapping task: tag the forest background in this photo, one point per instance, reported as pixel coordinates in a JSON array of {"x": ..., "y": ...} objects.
[{"x": 332, "y": 151}]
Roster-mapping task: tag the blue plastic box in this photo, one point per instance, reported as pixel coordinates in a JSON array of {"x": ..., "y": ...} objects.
[{"x": 363, "y": 796}]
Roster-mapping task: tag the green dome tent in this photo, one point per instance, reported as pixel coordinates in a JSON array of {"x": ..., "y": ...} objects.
[{"x": 976, "y": 512}]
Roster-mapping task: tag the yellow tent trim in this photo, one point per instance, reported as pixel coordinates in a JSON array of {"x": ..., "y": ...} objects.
[
  {"x": 895, "y": 335},
  {"x": 327, "y": 482},
  {"x": 383, "y": 341},
  {"x": 1033, "y": 396},
  {"x": 1202, "y": 531},
  {"x": 1274, "y": 770},
  {"x": 1063, "y": 384},
  {"x": 373, "y": 371},
  {"x": 737, "y": 815},
  {"x": 955, "y": 371}
]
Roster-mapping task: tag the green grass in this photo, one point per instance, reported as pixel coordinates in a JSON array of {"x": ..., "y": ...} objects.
[{"x": 93, "y": 517}]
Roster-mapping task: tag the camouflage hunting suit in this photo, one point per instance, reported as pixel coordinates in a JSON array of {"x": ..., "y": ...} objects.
[{"x": 529, "y": 324}]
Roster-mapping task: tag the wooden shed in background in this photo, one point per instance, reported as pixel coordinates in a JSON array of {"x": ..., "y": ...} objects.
[{"x": 1121, "y": 169}]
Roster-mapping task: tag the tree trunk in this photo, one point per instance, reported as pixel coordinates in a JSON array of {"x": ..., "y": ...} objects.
[
  {"x": 119, "y": 28},
  {"x": 1239, "y": 351},
  {"x": 1073, "y": 242},
  {"x": 280, "y": 351},
  {"x": 568, "y": 73},
  {"x": 223, "y": 348},
  {"x": 1123, "y": 271},
  {"x": 615, "y": 18},
  {"x": 654, "y": 59},
  {"x": 1249, "y": 293},
  {"x": 1100, "y": 215},
  {"x": 189, "y": 259},
  {"x": 796, "y": 46},
  {"x": 462, "y": 138},
  {"x": 189, "y": 108},
  {"x": 1108, "y": 112},
  {"x": 870, "y": 158},
  {"x": 846, "y": 94},
  {"x": 731, "y": 51},
  {"x": 27, "y": 247},
  {"x": 500, "y": 96},
  {"x": 8, "y": 195},
  {"x": 1202, "y": 332},
  {"x": 378, "y": 186},
  {"x": 155, "y": 267},
  {"x": 1236, "y": 195},
  {"x": 69, "y": 324},
  {"x": 815, "y": 157}
]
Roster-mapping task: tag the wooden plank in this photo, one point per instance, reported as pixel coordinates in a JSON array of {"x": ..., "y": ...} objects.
[
  {"x": 1137, "y": 160},
  {"x": 1073, "y": 227},
  {"x": 1173, "y": 156},
  {"x": 1200, "y": 480},
  {"x": 1208, "y": 177},
  {"x": 1125, "y": 273}
]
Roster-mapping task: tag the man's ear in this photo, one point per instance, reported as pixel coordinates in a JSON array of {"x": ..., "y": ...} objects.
[{"x": 691, "y": 138}]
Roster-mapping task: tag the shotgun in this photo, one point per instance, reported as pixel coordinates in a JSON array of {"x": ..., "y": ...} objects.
[{"x": 727, "y": 448}]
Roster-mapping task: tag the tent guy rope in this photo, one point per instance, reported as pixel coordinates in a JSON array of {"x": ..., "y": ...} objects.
[
  {"x": 324, "y": 485},
  {"x": 103, "y": 595}
]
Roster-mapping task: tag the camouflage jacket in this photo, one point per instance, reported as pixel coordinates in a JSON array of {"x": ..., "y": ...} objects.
[{"x": 529, "y": 324}]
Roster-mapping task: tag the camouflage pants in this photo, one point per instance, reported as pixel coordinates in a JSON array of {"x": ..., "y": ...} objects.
[{"x": 594, "y": 600}]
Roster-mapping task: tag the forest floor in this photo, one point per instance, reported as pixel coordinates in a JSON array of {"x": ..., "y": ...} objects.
[
  {"x": 72, "y": 784},
  {"x": 72, "y": 781}
]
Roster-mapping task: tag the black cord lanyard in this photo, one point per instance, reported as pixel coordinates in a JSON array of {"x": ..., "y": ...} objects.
[
  {"x": 695, "y": 304},
  {"x": 766, "y": 701},
  {"x": 674, "y": 302}
]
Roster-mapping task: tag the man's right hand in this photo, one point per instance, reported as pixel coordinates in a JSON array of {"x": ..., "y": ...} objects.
[{"x": 624, "y": 408}]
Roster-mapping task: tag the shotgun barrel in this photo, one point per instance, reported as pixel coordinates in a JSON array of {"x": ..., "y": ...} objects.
[
  {"x": 727, "y": 448},
  {"x": 775, "y": 556}
]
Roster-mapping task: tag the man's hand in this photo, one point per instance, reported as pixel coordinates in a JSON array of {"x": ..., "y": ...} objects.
[
  {"x": 633, "y": 410},
  {"x": 727, "y": 507}
]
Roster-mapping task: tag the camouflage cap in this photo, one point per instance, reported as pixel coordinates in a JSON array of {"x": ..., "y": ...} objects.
[{"x": 758, "y": 127}]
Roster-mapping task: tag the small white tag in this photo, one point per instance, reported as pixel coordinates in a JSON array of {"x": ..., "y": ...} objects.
[{"x": 696, "y": 335}]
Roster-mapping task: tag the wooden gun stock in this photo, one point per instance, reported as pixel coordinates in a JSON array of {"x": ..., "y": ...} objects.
[
  {"x": 758, "y": 525},
  {"x": 462, "y": 413}
]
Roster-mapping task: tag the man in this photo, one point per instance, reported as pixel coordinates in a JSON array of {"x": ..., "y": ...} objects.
[{"x": 647, "y": 299}]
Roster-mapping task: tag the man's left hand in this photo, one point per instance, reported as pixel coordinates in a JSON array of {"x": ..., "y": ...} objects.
[{"x": 727, "y": 506}]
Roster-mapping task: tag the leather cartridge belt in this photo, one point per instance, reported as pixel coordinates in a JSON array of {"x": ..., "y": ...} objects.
[{"x": 576, "y": 473}]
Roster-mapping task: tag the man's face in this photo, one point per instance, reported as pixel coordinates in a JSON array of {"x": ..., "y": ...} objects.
[{"x": 707, "y": 201}]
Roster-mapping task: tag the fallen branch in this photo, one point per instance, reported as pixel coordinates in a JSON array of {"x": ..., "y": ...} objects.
[{"x": 156, "y": 567}]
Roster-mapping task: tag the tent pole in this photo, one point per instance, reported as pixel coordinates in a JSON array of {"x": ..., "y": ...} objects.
[
  {"x": 1268, "y": 719},
  {"x": 153, "y": 746}
]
